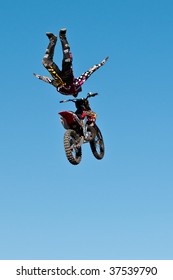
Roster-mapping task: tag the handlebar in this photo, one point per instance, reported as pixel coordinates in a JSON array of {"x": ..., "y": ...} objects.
[{"x": 90, "y": 94}]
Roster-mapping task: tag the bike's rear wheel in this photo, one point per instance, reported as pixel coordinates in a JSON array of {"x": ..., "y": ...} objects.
[
  {"x": 71, "y": 145},
  {"x": 97, "y": 144}
]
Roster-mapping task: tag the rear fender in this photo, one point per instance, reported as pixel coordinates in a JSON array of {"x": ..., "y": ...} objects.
[
  {"x": 64, "y": 123},
  {"x": 68, "y": 118}
]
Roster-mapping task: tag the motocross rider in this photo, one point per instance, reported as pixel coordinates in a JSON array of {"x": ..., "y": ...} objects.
[{"x": 64, "y": 79}]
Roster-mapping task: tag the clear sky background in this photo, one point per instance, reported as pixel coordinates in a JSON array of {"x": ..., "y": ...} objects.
[{"x": 122, "y": 206}]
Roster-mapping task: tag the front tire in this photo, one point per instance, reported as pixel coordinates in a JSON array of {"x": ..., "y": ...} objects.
[
  {"x": 97, "y": 144},
  {"x": 71, "y": 145}
]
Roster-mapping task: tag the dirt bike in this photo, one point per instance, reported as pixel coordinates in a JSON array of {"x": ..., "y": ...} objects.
[{"x": 81, "y": 128}]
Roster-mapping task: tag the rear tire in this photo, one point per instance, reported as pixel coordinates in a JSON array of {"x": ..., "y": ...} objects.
[
  {"x": 97, "y": 144},
  {"x": 73, "y": 153}
]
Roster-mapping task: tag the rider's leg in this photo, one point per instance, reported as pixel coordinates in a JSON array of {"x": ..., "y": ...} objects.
[
  {"x": 48, "y": 57},
  {"x": 67, "y": 73}
]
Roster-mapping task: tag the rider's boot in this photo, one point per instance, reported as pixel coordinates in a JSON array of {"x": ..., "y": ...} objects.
[
  {"x": 62, "y": 33},
  {"x": 48, "y": 57},
  {"x": 67, "y": 56}
]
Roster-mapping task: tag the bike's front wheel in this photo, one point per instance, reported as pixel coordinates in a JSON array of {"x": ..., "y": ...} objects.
[
  {"x": 97, "y": 144},
  {"x": 72, "y": 147}
]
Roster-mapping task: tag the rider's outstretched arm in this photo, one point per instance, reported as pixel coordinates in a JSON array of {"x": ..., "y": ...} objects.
[
  {"x": 80, "y": 80},
  {"x": 43, "y": 78},
  {"x": 48, "y": 80}
]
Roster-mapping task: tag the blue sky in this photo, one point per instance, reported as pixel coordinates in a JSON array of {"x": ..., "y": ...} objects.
[{"x": 117, "y": 208}]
